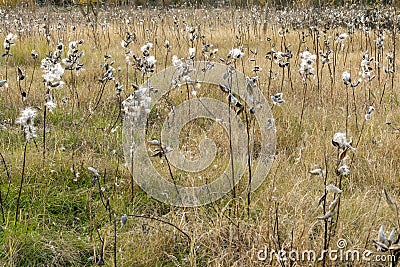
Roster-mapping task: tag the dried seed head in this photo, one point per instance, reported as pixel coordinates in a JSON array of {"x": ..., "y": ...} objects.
[
  {"x": 392, "y": 235},
  {"x": 381, "y": 235},
  {"x": 318, "y": 171},
  {"x": 34, "y": 54},
  {"x": 94, "y": 171},
  {"x": 167, "y": 44},
  {"x": 235, "y": 53},
  {"x": 340, "y": 140},
  {"x": 26, "y": 120},
  {"x": 277, "y": 99},
  {"x": 124, "y": 219},
  {"x": 3, "y": 83},
  {"x": 20, "y": 75},
  {"x": 368, "y": 116},
  {"x": 154, "y": 142},
  {"x": 343, "y": 170},
  {"x": 380, "y": 246},
  {"x": 333, "y": 189},
  {"x": 346, "y": 78},
  {"x": 192, "y": 52}
]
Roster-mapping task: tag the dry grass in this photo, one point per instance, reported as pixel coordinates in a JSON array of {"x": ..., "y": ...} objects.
[{"x": 62, "y": 219}]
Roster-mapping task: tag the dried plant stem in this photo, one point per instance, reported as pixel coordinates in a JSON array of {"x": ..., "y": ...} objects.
[
  {"x": 367, "y": 240},
  {"x": 355, "y": 108},
  {"x": 248, "y": 163},
  {"x": 44, "y": 135},
  {"x": 290, "y": 77},
  {"x": 6, "y": 78},
  {"x": 7, "y": 61},
  {"x": 283, "y": 78},
  {"x": 291, "y": 262},
  {"x": 112, "y": 217},
  {"x": 127, "y": 75},
  {"x": 75, "y": 94},
  {"x": 20, "y": 186},
  {"x": 162, "y": 221},
  {"x": 326, "y": 237},
  {"x": 303, "y": 103},
  {"x": 332, "y": 82},
  {"x": 103, "y": 247},
  {"x": 189, "y": 113},
  {"x": 90, "y": 197},
  {"x": 334, "y": 63},
  {"x": 71, "y": 89},
  {"x": 119, "y": 108},
  {"x": 99, "y": 96},
  {"x": 21, "y": 93},
  {"x": 276, "y": 228},
  {"x": 319, "y": 82},
  {"x": 397, "y": 215},
  {"x": 97, "y": 103},
  {"x": 394, "y": 58},
  {"x": 172, "y": 176},
  {"x": 346, "y": 54},
  {"x": 358, "y": 141},
  {"x": 1, "y": 198},
  {"x": 230, "y": 141},
  {"x": 384, "y": 88},
  {"x": 347, "y": 110},
  {"x": 338, "y": 207},
  {"x": 269, "y": 78},
  {"x": 131, "y": 156},
  {"x": 32, "y": 76},
  {"x": 2, "y": 201},
  {"x": 115, "y": 241}
]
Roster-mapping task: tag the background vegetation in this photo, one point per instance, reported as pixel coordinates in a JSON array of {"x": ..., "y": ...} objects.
[
  {"x": 64, "y": 214},
  {"x": 198, "y": 3}
]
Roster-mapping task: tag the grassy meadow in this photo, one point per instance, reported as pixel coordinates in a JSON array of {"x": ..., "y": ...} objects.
[{"x": 68, "y": 199}]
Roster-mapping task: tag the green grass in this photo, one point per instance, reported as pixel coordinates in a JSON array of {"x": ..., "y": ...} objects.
[{"x": 67, "y": 215}]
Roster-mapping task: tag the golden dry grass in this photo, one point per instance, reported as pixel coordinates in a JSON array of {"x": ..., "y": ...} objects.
[{"x": 64, "y": 218}]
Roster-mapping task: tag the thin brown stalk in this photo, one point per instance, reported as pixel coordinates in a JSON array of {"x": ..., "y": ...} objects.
[{"x": 21, "y": 184}]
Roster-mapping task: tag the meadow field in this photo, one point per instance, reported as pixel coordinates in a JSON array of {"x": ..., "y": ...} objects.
[{"x": 75, "y": 83}]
